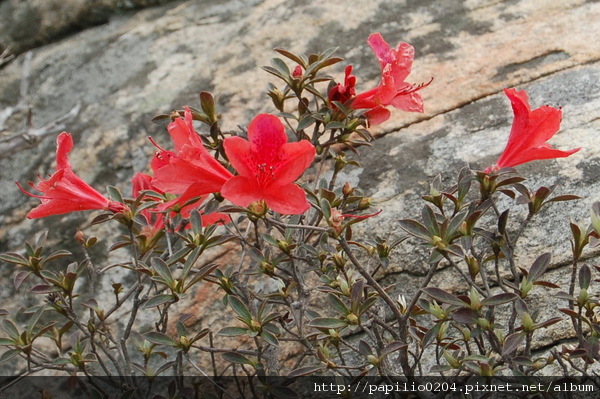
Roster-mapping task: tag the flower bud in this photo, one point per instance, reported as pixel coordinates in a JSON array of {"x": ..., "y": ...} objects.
[
  {"x": 583, "y": 296},
  {"x": 527, "y": 322},
  {"x": 452, "y": 361},
  {"x": 80, "y": 237},
  {"x": 352, "y": 319},
  {"x": 257, "y": 209},
  {"x": 373, "y": 360},
  {"x": 483, "y": 323},
  {"x": 365, "y": 203},
  {"x": 437, "y": 242},
  {"x": 347, "y": 189},
  {"x": 473, "y": 265},
  {"x": 297, "y": 73}
]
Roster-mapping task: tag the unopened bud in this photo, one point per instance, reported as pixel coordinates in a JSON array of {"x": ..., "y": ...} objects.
[
  {"x": 437, "y": 242},
  {"x": 583, "y": 296},
  {"x": 352, "y": 319},
  {"x": 483, "y": 323},
  {"x": 365, "y": 203},
  {"x": 80, "y": 237},
  {"x": 452, "y": 361},
  {"x": 297, "y": 72},
  {"x": 527, "y": 322},
  {"x": 373, "y": 360},
  {"x": 473, "y": 265},
  {"x": 257, "y": 210},
  {"x": 347, "y": 189}
]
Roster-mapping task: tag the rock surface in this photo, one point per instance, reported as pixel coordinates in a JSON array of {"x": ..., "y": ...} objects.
[{"x": 149, "y": 61}]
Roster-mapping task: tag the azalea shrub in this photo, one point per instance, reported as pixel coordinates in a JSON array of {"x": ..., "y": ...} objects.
[{"x": 302, "y": 293}]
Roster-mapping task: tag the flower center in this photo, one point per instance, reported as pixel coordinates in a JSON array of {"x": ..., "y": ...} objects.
[{"x": 265, "y": 175}]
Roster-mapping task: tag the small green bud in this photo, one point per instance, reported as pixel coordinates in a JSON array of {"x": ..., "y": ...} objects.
[
  {"x": 352, "y": 319},
  {"x": 527, "y": 322}
]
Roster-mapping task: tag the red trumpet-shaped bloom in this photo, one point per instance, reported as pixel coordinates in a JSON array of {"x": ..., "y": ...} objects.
[
  {"x": 267, "y": 167},
  {"x": 529, "y": 134},
  {"x": 346, "y": 91},
  {"x": 64, "y": 191},
  {"x": 190, "y": 163},
  {"x": 141, "y": 182},
  {"x": 392, "y": 90}
]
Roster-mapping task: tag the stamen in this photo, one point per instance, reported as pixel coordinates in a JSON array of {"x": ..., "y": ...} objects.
[
  {"x": 154, "y": 143},
  {"x": 28, "y": 193}
]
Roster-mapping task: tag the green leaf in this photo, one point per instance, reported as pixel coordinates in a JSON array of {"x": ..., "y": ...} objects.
[
  {"x": 465, "y": 315},
  {"x": 338, "y": 304},
  {"x": 292, "y": 57},
  {"x": 159, "y": 300},
  {"x": 196, "y": 221},
  {"x": 499, "y": 299},
  {"x": 115, "y": 194},
  {"x": 162, "y": 119},
  {"x": 161, "y": 268},
  {"x": 190, "y": 262},
  {"x": 34, "y": 319},
  {"x": 207, "y": 102},
  {"x": 232, "y": 331},
  {"x": 160, "y": 339},
  {"x": 236, "y": 358},
  {"x": 416, "y": 229},
  {"x": 270, "y": 338},
  {"x": 241, "y": 309},
  {"x": 14, "y": 258},
  {"x": 327, "y": 322},
  {"x": 512, "y": 342},
  {"x": 443, "y": 296},
  {"x": 305, "y": 122},
  {"x": 56, "y": 255},
  {"x": 585, "y": 277},
  {"x": 6, "y": 356},
  {"x": 539, "y": 266},
  {"x": 281, "y": 66}
]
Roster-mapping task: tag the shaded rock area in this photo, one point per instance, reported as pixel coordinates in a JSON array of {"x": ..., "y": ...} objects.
[
  {"x": 124, "y": 63},
  {"x": 26, "y": 24}
]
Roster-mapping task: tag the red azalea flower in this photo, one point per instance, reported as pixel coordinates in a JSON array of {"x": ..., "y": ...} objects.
[
  {"x": 191, "y": 163},
  {"x": 267, "y": 167},
  {"x": 344, "y": 92},
  {"x": 393, "y": 90},
  {"x": 64, "y": 191},
  {"x": 529, "y": 133},
  {"x": 141, "y": 182},
  {"x": 178, "y": 205}
]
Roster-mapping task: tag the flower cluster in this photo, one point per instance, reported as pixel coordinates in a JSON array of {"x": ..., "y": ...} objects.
[
  {"x": 266, "y": 164},
  {"x": 292, "y": 243},
  {"x": 392, "y": 90}
]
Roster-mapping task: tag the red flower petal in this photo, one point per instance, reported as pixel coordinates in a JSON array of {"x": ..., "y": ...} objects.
[
  {"x": 182, "y": 132},
  {"x": 267, "y": 167},
  {"x": 64, "y": 191},
  {"x": 266, "y": 135},
  {"x": 288, "y": 200},
  {"x": 529, "y": 133},
  {"x": 242, "y": 190},
  {"x": 295, "y": 158},
  {"x": 192, "y": 165},
  {"x": 392, "y": 90},
  {"x": 239, "y": 152}
]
